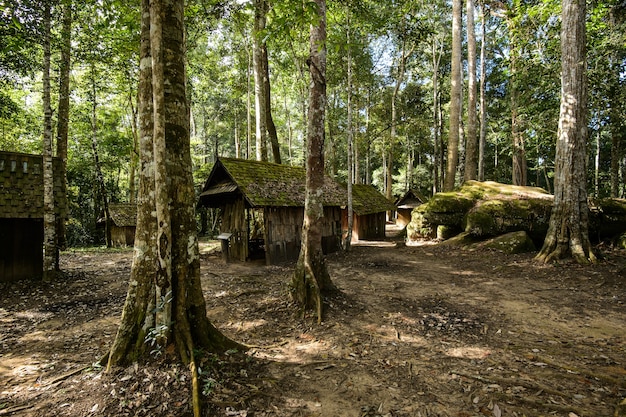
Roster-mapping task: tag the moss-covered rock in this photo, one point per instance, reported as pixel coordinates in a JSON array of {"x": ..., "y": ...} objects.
[
  {"x": 451, "y": 210},
  {"x": 511, "y": 243},
  {"x": 607, "y": 217},
  {"x": 505, "y": 214}
]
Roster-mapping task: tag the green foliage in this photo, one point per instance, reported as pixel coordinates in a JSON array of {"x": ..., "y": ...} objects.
[{"x": 105, "y": 41}]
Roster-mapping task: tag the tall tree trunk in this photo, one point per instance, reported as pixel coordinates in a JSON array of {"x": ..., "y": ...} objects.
[
  {"x": 260, "y": 8},
  {"x": 437, "y": 53},
  {"x": 350, "y": 135},
  {"x": 311, "y": 279},
  {"x": 134, "y": 156},
  {"x": 402, "y": 59},
  {"x": 271, "y": 127},
  {"x": 519, "y": 152},
  {"x": 49, "y": 217},
  {"x": 483, "y": 102},
  {"x": 471, "y": 147},
  {"x": 96, "y": 158},
  {"x": 164, "y": 118},
  {"x": 455, "y": 98},
  {"x": 63, "y": 114},
  {"x": 568, "y": 231},
  {"x": 249, "y": 106}
]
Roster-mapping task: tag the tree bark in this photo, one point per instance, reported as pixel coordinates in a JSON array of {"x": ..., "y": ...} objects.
[
  {"x": 49, "y": 217},
  {"x": 311, "y": 279},
  {"x": 568, "y": 230},
  {"x": 164, "y": 304},
  {"x": 271, "y": 127},
  {"x": 350, "y": 137},
  {"x": 96, "y": 159},
  {"x": 63, "y": 114},
  {"x": 483, "y": 101},
  {"x": 260, "y": 8},
  {"x": 471, "y": 147},
  {"x": 455, "y": 98},
  {"x": 519, "y": 165}
]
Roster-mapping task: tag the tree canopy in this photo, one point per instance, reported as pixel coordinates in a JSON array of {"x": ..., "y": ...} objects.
[{"x": 400, "y": 125}]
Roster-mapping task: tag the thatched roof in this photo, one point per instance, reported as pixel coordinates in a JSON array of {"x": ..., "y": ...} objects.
[
  {"x": 410, "y": 200},
  {"x": 123, "y": 214},
  {"x": 263, "y": 184},
  {"x": 368, "y": 200}
]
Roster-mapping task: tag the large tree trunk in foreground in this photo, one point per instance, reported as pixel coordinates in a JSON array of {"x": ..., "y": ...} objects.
[
  {"x": 568, "y": 232},
  {"x": 311, "y": 277},
  {"x": 164, "y": 305}
]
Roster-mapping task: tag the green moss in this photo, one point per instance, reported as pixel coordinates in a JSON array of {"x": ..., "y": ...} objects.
[{"x": 511, "y": 243}]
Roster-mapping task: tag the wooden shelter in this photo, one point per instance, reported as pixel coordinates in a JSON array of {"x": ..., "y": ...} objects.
[
  {"x": 369, "y": 208},
  {"x": 262, "y": 207},
  {"x": 123, "y": 223},
  {"x": 405, "y": 205},
  {"x": 21, "y": 214}
]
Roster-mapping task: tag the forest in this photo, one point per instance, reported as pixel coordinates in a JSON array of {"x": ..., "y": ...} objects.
[
  {"x": 388, "y": 83},
  {"x": 140, "y": 102}
]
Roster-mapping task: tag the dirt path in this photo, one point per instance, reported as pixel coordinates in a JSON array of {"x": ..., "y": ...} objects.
[{"x": 414, "y": 331}]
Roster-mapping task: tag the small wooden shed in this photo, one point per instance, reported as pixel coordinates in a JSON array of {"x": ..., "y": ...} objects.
[
  {"x": 405, "y": 205},
  {"x": 369, "y": 208},
  {"x": 21, "y": 214},
  {"x": 262, "y": 206},
  {"x": 123, "y": 223}
]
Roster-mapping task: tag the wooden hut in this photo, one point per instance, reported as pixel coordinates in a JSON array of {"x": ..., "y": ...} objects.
[
  {"x": 369, "y": 208},
  {"x": 21, "y": 214},
  {"x": 123, "y": 223},
  {"x": 262, "y": 207},
  {"x": 405, "y": 205}
]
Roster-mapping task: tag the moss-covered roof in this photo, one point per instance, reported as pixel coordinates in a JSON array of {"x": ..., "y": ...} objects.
[
  {"x": 265, "y": 184},
  {"x": 410, "y": 199},
  {"x": 123, "y": 214},
  {"x": 368, "y": 200}
]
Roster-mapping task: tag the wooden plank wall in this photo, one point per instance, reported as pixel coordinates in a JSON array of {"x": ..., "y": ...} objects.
[
  {"x": 234, "y": 221},
  {"x": 284, "y": 231}
]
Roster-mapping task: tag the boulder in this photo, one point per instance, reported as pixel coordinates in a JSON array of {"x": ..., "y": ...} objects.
[
  {"x": 482, "y": 209},
  {"x": 488, "y": 209},
  {"x": 511, "y": 243}
]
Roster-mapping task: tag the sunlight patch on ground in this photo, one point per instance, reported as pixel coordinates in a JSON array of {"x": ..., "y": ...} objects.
[
  {"x": 464, "y": 273},
  {"x": 244, "y": 326},
  {"x": 468, "y": 352},
  {"x": 423, "y": 242},
  {"x": 294, "y": 352},
  {"x": 375, "y": 243}
]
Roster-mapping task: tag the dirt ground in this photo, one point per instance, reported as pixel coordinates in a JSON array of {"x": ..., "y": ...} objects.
[{"x": 425, "y": 330}]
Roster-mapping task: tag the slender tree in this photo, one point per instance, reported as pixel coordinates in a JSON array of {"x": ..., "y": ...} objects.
[
  {"x": 350, "y": 137},
  {"x": 471, "y": 141},
  {"x": 483, "y": 101},
  {"x": 49, "y": 228},
  {"x": 260, "y": 98},
  {"x": 311, "y": 278},
  {"x": 455, "y": 97},
  {"x": 164, "y": 304},
  {"x": 568, "y": 230},
  {"x": 63, "y": 114}
]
